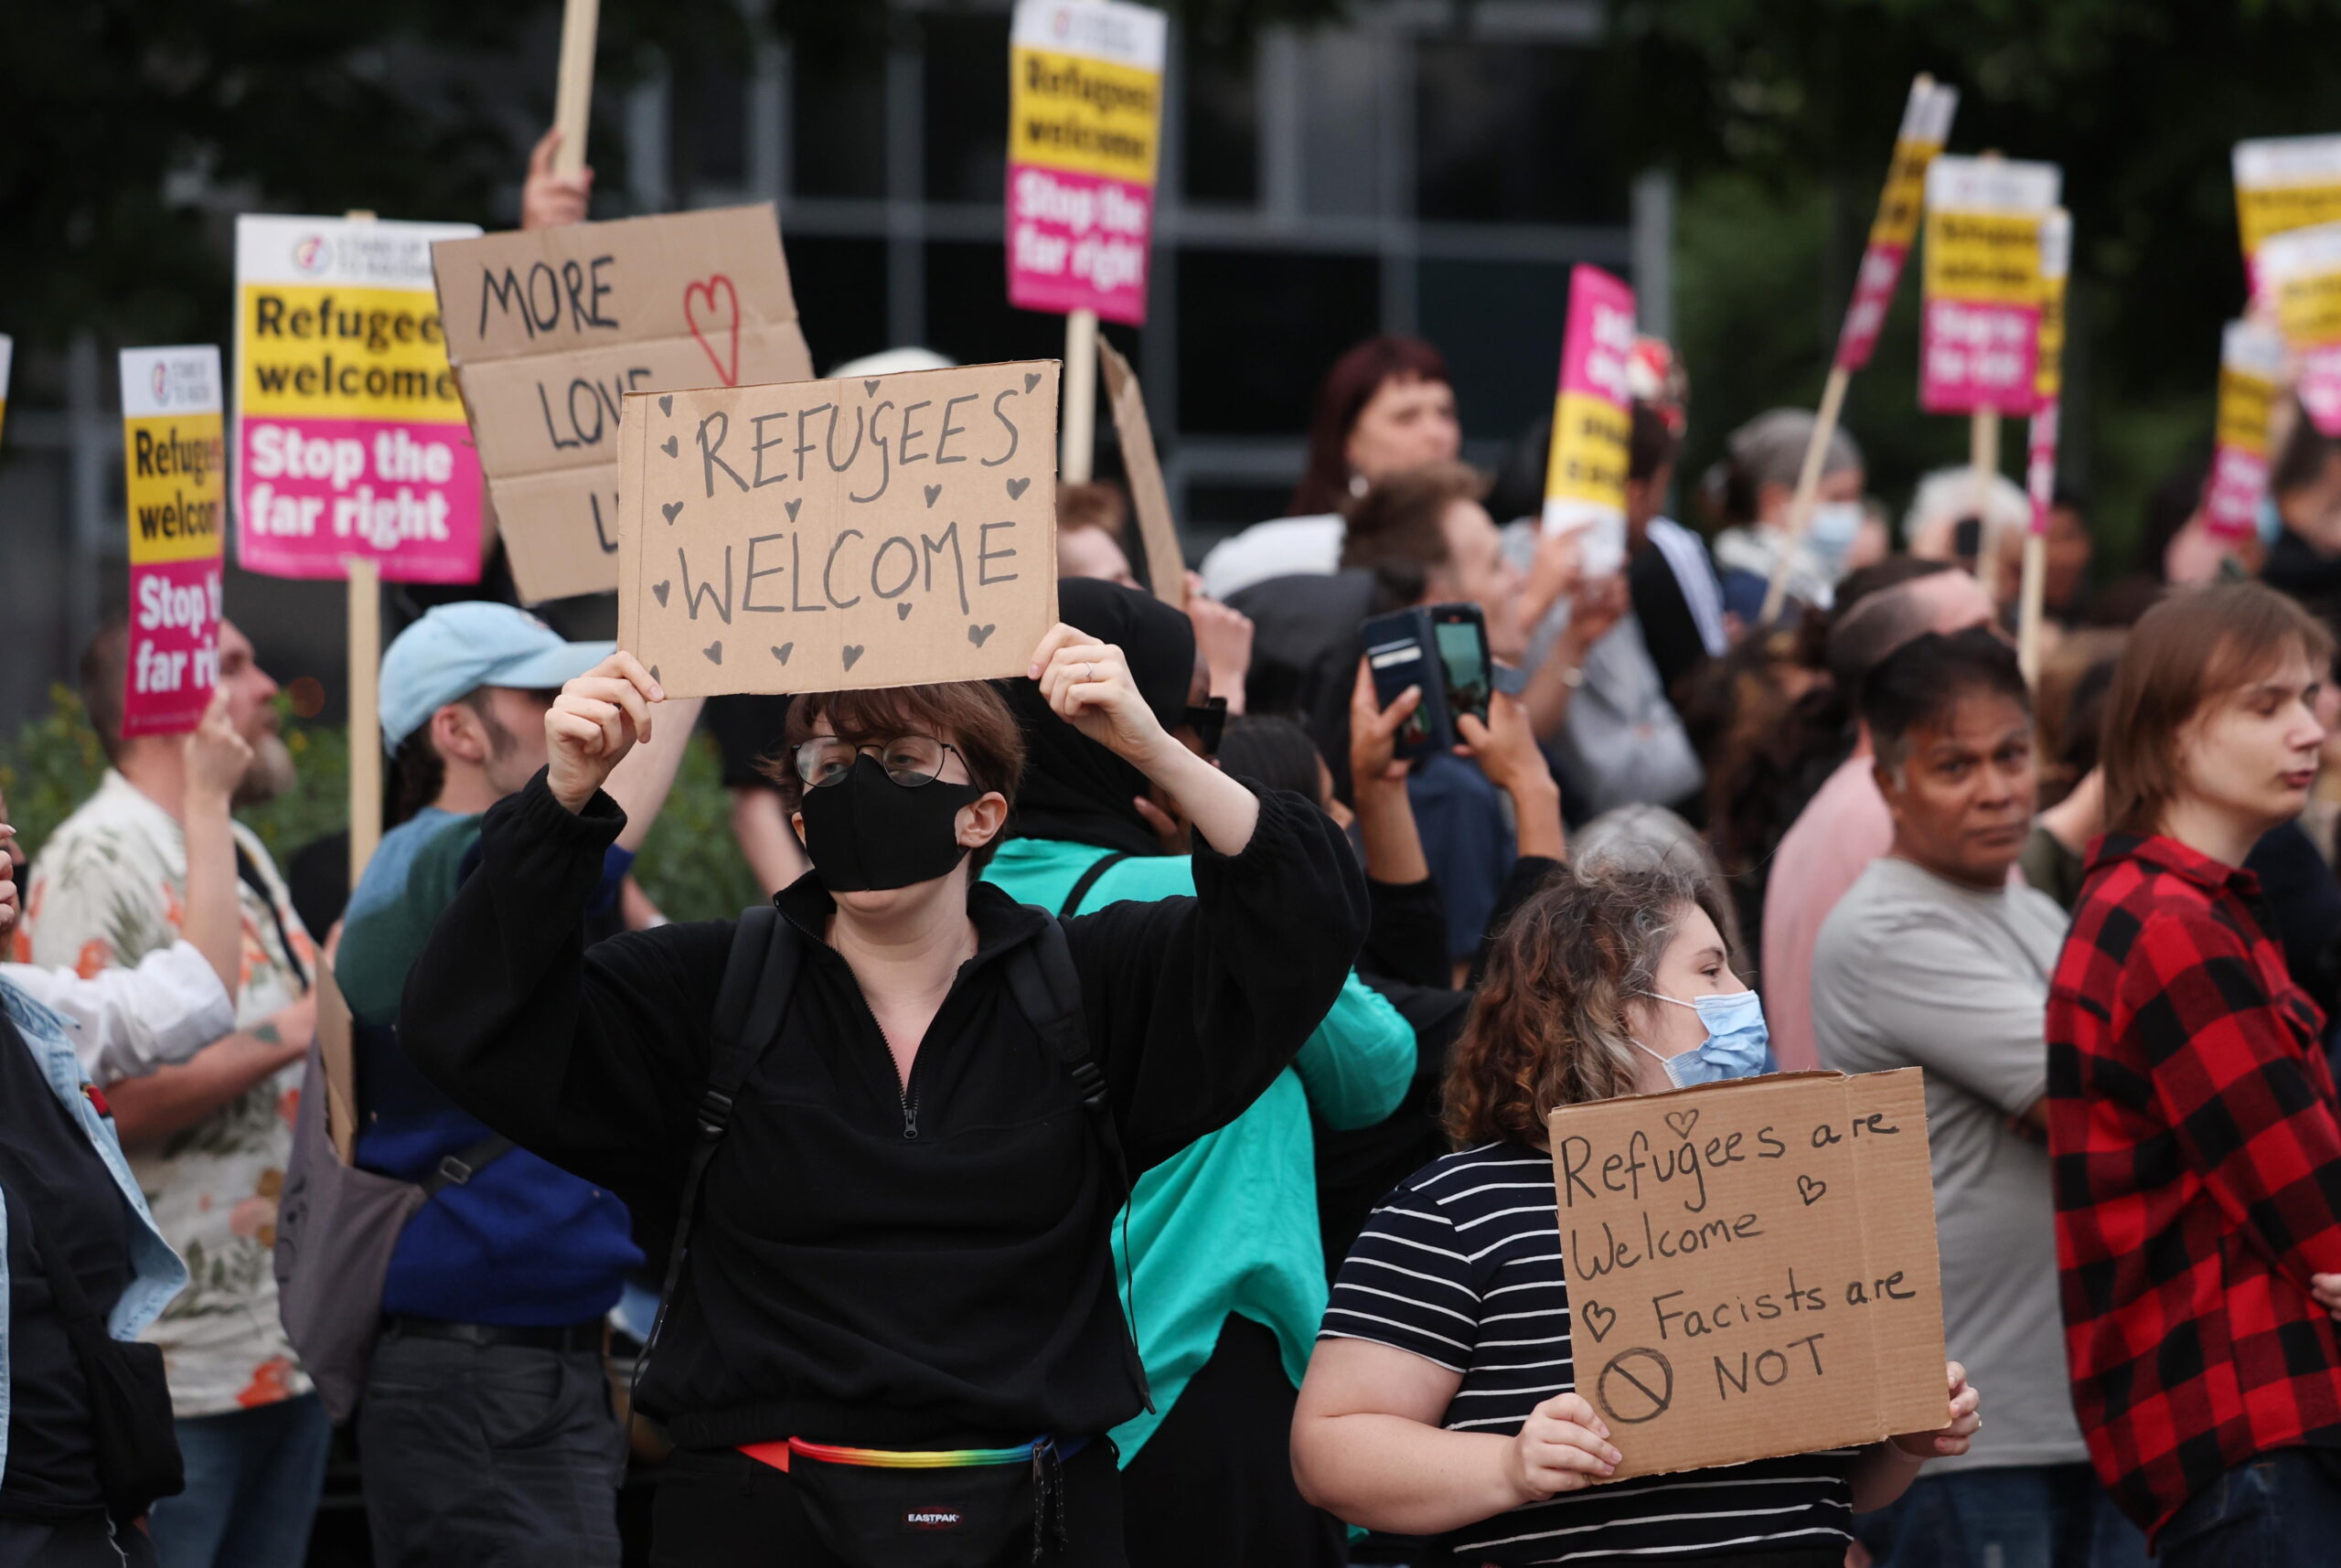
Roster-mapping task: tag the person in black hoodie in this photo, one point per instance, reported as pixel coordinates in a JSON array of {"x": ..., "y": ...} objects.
[{"x": 898, "y": 1295}]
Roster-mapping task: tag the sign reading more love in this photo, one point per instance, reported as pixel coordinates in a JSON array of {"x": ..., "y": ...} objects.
[
  {"x": 1751, "y": 1266},
  {"x": 826, "y": 536},
  {"x": 550, "y": 330}
]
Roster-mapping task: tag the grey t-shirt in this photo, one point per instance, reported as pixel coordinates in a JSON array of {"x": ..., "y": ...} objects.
[{"x": 1914, "y": 971}]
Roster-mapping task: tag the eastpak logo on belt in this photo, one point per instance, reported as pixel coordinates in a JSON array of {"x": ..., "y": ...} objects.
[{"x": 926, "y": 1518}]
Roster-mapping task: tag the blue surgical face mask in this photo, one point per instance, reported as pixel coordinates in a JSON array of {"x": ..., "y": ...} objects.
[
  {"x": 1736, "y": 1045},
  {"x": 1835, "y": 527},
  {"x": 2268, "y": 521}
]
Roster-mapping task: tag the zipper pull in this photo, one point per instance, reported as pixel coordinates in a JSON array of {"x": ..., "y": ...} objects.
[{"x": 910, "y": 1121}]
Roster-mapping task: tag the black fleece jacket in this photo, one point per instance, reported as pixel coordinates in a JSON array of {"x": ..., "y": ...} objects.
[{"x": 847, "y": 1282}]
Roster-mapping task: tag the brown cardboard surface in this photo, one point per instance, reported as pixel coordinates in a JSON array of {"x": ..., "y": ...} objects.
[
  {"x": 1166, "y": 563},
  {"x": 825, "y": 536},
  {"x": 551, "y": 328},
  {"x": 1751, "y": 1266}
]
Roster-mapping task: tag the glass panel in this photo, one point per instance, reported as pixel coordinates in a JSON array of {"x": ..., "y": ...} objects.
[
  {"x": 1257, "y": 330},
  {"x": 966, "y": 107},
  {"x": 837, "y": 114},
  {"x": 1513, "y": 133},
  {"x": 840, "y": 287},
  {"x": 967, "y": 314},
  {"x": 1222, "y": 146}
]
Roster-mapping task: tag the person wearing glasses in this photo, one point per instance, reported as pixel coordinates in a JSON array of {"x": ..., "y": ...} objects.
[
  {"x": 1226, "y": 1266},
  {"x": 897, "y": 1312}
]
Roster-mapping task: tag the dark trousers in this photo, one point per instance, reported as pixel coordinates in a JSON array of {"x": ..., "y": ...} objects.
[
  {"x": 91, "y": 1542},
  {"x": 488, "y": 1454},
  {"x": 2016, "y": 1516},
  {"x": 2282, "y": 1511},
  {"x": 1213, "y": 1484},
  {"x": 717, "y": 1508}
]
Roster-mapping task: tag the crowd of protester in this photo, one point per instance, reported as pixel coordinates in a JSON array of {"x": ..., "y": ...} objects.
[{"x": 1121, "y": 1137}]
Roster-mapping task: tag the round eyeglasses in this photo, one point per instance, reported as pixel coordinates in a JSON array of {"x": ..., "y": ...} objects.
[{"x": 910, "y": 761}]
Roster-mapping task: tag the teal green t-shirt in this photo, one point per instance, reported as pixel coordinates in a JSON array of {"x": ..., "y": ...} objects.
[{"x": 1229, "y": 1223}]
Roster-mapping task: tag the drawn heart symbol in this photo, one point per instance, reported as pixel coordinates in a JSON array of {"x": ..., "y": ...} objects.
[
  {"x": 1016, "y": 488},
  {"x": 671, "y": 509},
  {"x": 667, "y": 446},
  {"x": 781, "y": 652},
  {"x": 1682, "y": 1122},
  {"x": 658, "y": 591},
  {"x": 871, "y": 387},
  {"x": 902, "y": 611},
  {"x": 852, "y": 652},
  {"x": 666, "y": 404},
  {"x": 1031, "y": 379},
  {"x": 1810, "y": 1189},
  {"x": 1601, "y": 1319},
  {"x": 722, "y": 321},
  {"x": 976, "y": 635},
  {"x": 714, "y": 651},
  {"x": 792, "y": 506},
  {"x": 933, "y": 491},
  {"x": 654, "y": 675}
]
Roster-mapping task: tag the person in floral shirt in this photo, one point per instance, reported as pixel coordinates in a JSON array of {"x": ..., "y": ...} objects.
[{"x": 208, "y": 1139}]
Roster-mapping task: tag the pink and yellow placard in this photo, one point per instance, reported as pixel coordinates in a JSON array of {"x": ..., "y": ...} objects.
[
  {"x": 2300, "y": 277},
  {"x": 174, "y": 470},
  {"x": 1084, "y": 123},
  {"x": 1925, "y": 126},
  {"x": 351, "y": 437},
  {"x": 2049, "y": 368},
  {"x": 1980, "y": 332},
  {"x": 2284, "y": 183},
  {"x": 2252, "y": 365},
  {"x": 1585, "y": 478}
]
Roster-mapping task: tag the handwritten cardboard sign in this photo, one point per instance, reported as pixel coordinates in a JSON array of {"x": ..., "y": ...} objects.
[
  {"x": 174, "y": 470},
  {"x": 350, "y": 438},
  {"x": 1980, "y": 325},
  {"x": 1925, "y": 126},
  {"x": 2299, "y": 273},
  {"x": 2251, "y": 361},
  {"x": 1584, "y": 477},
  {"x": 1751, "y": 1266},
  {"x": 825, "y": 536},
  {"x": 1084, "y": 132},
  {"x": 551, "y": 328},
  {"x": 1166, "y": 563},
  {"x": 2284, "y": 183}
]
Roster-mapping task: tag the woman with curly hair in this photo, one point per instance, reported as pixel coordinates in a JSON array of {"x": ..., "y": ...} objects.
[{"x": 1441, "y": 1399}]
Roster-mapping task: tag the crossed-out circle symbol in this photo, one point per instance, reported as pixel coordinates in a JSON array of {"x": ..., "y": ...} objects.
[{"x": 1636, "y": 1385}]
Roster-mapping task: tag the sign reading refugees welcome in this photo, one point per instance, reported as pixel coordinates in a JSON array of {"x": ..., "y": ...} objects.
[
  {"x": 1751, "y": 1266},
  {"x": 1584, "y": 477},
  {"x": 173, "y": 469},
  {"x": 1984, "y": 283},
  {"x": 824, "y": 536}
]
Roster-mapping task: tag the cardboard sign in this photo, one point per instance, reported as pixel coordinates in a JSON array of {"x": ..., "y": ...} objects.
[
  {"x": 1085, "y": 129},
  {"x": 174, "y": 470},
  {"x": 1926, "y": 127},
  {"x": 2049, "y": 371},
  {"x": 1584, "y": 477},
  {"x": 1751, "y": 1266},
  {"x": 1980, "y": 333},
  {"x": 2281, "y": 184},
  {"x": 2299, "y": 273},
  {"x": 550, "y": 329},
  {"x": 825, "y": 536},
  {"x": 350, "y": 438},
  {"x": 1166, "y": 563},
  {"x": 2251, "y": 360},
  {"x": 7, "y": 352}
]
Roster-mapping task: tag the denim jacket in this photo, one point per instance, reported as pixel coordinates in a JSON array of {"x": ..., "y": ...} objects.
[{"x": 156, "y": 1274}]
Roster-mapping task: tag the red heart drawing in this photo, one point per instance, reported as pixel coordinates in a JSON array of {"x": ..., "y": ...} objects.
[{"x": 723, "y": 321}]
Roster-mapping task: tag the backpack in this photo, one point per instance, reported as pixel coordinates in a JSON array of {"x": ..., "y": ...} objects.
[
  {"x": 337, "y": 1225},
  {"x": 758, "y": 976}
]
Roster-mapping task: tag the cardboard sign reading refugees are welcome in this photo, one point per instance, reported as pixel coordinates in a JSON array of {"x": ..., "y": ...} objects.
[
  {"x": 551, "y": 328},
  {"x": 1751, "y": 1266},
  {"x": 824, "y": 536}
]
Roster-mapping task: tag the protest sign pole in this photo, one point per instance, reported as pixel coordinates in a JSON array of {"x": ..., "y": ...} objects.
[
  {"x": 1984, "y": 461},
  {"x": 363, "y": 585},
  {"x": 2036, "y": 583},
  {"x": 573, "y": 113},
  {"x": 1808, "y": 484},
  {"x": 1078, "y": 440}
]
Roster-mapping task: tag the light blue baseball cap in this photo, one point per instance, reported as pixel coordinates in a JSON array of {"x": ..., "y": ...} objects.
[{"x": 455, "y": 649}]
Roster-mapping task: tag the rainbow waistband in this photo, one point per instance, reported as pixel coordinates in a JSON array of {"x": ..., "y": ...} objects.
[{"x": 777, "y": 1455}]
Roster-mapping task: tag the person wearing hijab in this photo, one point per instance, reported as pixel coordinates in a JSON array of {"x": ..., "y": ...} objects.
[{"x": 1221, "y": 1243}]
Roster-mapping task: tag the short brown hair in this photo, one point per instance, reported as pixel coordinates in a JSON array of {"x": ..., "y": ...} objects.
[
  {"x": 2196, "y": 645},
  {"x": 1401, "y": 521},
  {"x": 1094, "y": 504},
  {"x": 971, "y": 715},
  {"x": 1548, "y": 1025},
  {"x": 105, "y": 666}
]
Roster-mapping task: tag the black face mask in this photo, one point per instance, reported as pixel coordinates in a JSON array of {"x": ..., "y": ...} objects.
[{"x": 868, "y": 834}]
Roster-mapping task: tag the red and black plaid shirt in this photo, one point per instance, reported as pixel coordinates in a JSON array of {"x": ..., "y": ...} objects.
[{"x": 2197, "y": 1151}]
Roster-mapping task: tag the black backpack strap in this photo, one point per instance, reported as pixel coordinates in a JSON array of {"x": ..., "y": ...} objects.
[
  {"x": 457, "y": 1169},
  {"x": 1047, "y": 989},
  {"x": 1089, "y": 880},
  {"x": 757, "y": 978}
]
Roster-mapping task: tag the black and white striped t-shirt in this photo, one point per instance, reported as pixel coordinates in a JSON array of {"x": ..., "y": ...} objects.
[{"x": 1461, "y": 1265}]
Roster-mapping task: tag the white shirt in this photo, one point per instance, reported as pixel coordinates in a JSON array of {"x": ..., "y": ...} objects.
[
  {"x": 128, "y": 1022},
  {"x": 1284, "y": 546}
]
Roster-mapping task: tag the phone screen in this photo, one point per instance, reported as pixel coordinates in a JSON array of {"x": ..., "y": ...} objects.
[
  {"x": 1397, "y": 666},
  {"x": 1462, "y": 649}
]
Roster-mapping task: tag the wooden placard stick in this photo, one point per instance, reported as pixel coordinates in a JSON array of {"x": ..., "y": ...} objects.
[
  {"x": 1808, "y": 484},
  {"x": 1077, "y": 442},
  {"x": 573, "y": 113}
]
